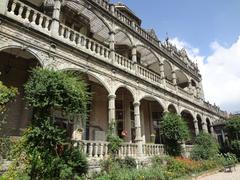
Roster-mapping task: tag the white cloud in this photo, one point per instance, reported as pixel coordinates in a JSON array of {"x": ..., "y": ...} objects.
[{"x": 220, "y": 72}]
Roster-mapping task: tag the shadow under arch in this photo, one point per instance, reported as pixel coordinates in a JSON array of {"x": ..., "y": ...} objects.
[{"x": 16, "y": 64}]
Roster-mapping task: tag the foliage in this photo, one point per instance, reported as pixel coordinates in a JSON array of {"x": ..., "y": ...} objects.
[
  {"x": 235, "y": 147},
  {"x": 232, "y": 127},
  {"x": 205, "y": 147},
  {"x": 113, "y": 139},
  {"x": 48, "y": 89},
  {"x": 175, "y": 131},
  {"x": 6, "y": 144},
  {"x": 7, "y": 95},
  {"x": 127, "y": 162},
  {"x": 164, "y": 168},
  {"x": 227, "y": 159},
  {"x": 46, "y": 147}
]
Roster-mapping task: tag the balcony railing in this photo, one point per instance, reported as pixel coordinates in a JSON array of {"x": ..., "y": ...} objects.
[
  {"x": 123, "y": 18},
  {"x": 34, "y": 19},
  {"x": 99, "y": 149}
]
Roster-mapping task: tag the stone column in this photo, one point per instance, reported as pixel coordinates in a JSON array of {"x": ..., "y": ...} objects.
[
  {"x": 196, "y": 126},
  {"x": 161, "y": 65},
  {"x": 134, "y": 57},
  {"x": 111, "y": 109},
  {"x": 204, "y": 125},
  {"x": 3, "y": 6},
  {"x": 112, "y": 46},
  {"x": 56, "y": 18},
  {"x": 190, "y": 87},
  {"x": 137, "y": 119}
]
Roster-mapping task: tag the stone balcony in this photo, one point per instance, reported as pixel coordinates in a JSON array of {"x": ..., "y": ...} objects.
[{"x": 33, "y": 19}]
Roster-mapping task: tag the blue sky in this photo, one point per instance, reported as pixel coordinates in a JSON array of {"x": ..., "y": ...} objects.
[
  {"x": 210, "y": 31},
  {"x": 198, "y": 22}
]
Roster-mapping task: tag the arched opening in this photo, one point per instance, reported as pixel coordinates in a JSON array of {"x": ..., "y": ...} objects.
[
  {"x": 145, "y": 56},
  {"x": 182, "y": 80},
  {"x": 188, "y": 117},
  {"x": 123, "y": 44},
  {"x": 80, "y": 17},
  {"x": 124, "y": 110},
  {"x": 208, "y": 125},
  {"x": 199, "y": 120},
  {"x": 168, "y": 71},
  {"x": 96, "y": 124},
  {"x": 172, "y": 109},
  {"x": 151, "y": 113},
  {"x": 15, "y": 69}
]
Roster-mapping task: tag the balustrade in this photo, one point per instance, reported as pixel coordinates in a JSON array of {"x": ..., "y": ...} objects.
[
  {"x": 127, "y": 149},
  {"x": 153, "y": 149},
  {"x": 147, "y": 74},
  {"x": 79, "y": 40},
  {"x": 32, "y": 18},
  {"x": 124, "y": 62},
  {"x": 29, "y": 16}
]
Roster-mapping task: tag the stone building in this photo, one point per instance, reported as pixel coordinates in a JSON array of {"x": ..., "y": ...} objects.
[{"x": 133, "y": 77}]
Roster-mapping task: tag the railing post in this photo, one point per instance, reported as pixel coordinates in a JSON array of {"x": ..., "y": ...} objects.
[
  {"x": 138, "y": 138},
  {"x": 3, "y": 6},
  {"x": 56, "y": 18},
  {"x": 161, "y": 65}
]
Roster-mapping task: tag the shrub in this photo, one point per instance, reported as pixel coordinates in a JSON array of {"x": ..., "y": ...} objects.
[
  {"x": 175, "y": 131},
  {"x": 6, "y": 95},
  {"x": 127, "y": 162},
  {"x": 205, "y": 147},
  {"x": 232, "y": 127},
  {"x": 235, "y": 147},
  {"x": 47, "y": 148}
]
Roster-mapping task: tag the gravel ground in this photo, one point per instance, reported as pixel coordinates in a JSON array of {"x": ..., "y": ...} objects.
[{"x": 234, "y": 175}]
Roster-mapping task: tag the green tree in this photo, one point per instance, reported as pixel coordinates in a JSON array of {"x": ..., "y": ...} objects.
[
  {"x": 232, "y": 127},
  {"x": 205, "y": 147},
  {"x": 49, "y": 151},
  {"x": 175, "y": 131}
]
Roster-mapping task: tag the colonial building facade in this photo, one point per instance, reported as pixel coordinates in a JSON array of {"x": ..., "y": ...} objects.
[{"x": 133, "y": 77}]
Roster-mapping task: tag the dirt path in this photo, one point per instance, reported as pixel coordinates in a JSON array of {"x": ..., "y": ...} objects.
[{"x": 234, "y": 175}]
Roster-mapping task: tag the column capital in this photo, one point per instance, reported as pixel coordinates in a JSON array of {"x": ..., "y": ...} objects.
[
  {"x": 136, "y": 103},
  {"x": 111, "y": 96}
]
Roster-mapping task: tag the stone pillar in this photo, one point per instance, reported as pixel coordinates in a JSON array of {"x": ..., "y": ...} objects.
[
  {"x": 56, "y": 18},
  {"x": 3, "y": 6},
  {"x": 204, "y": 125},
  {"x": 190, "y": 87},
  {"x": 137, "y": 119},
  {"x": 174, "y": 79},
  {"x": 134, "y": 57},
  {"x": 112, "y": 46},
  {"x": 196, "y": 126},
  {"x": 161, "y": 65},
  {"x": 111, "y": 109}
]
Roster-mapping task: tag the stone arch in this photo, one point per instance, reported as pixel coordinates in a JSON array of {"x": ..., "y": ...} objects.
[
  {"x": 15, "y": 66},
  {"x": 19, "y": 47},
  {"x": 118, "y": 30},
  {"x": 168, "y": 70},
  {"x": 131, "y": 90},
  {"x": 151, "y": 112},
  {"x": 146, "y": 56},
  {"x": 96, "y": 76},
  {"x": 96, "y": 19},
  {"x": 172, "y": 108},
  {"x": 147, "y": 96},
  {"x": 188, "y": 116},
  {"x": 182, "y": 79}
]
